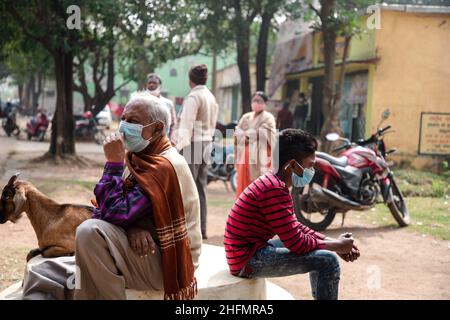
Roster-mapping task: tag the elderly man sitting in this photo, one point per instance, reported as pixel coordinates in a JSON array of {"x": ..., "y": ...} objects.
[{"x": 145, "y": 232}]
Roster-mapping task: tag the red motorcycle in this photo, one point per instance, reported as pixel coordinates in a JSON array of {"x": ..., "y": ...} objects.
[
  {"x": 357, "y": 180},
  {"x": 37, "y": 126}
]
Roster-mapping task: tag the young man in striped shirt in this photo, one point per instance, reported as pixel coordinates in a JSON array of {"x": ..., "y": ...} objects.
[{"x": 264, "y": 209}]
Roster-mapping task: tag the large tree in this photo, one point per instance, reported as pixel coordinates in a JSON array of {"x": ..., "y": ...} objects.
[
  {"x": 226, "y": 24},
  {"x": 335, "y": 19},
  {"x": 29, "y": 65},
  {"x": 269, "y": 11},
  {"x": 45, "y": 23},
  {"x": 243, "y": 15},
  {"x": 128, "y": 34}
]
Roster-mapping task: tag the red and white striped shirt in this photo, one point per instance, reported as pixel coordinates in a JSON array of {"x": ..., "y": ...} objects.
[{"x": 264, "y": 209}]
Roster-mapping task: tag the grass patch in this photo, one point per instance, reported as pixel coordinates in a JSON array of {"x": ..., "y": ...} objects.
[
  {"x": 415, "y": 183},
  {"x": 430, "y": 216}
]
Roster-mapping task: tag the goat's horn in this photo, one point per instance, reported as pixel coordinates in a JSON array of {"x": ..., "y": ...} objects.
[{"x": 13, "y": 179}]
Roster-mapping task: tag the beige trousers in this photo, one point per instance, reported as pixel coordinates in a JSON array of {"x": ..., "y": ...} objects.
[{"x": 106, "y": 264}]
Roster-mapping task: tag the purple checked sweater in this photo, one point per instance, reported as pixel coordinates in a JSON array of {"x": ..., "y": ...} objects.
[{"x": 116, "y": 206}]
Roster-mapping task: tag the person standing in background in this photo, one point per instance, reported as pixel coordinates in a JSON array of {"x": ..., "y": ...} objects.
[
  {"x": 284, "y": 117},
  {"x": 154, "y": 87},
  {"x": 301, "y": 112},
  {"x": 194, "y": 136},
  {"x": 253, "y": 137}
]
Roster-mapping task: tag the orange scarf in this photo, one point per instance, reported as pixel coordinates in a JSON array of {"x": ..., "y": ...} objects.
[{"x": 157, "y": 177}]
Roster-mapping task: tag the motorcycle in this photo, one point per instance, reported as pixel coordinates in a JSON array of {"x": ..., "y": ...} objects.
[
  {"x": 224, "y": 127},
  {"x": 222, "y": 166},
  {"x": 9, "y": 124},
  {"x": 353, "y": 181},
  {"x": 86, "y": 128},
  {"x": 37, "y": 127}
]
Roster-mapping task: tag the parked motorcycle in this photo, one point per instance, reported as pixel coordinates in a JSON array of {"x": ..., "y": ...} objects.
[
  {"x": 37, "y": 126},
  {"x": 9, "y": 124},
  {"x": 354, "y": 181},
  {"x": 86, "y": 128},
  {"x": 222, "y": 166},
  {"x": 224, "y": 127}
]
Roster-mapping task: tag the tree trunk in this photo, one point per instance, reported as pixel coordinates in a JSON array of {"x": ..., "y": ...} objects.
[
  {"x": 20, "y": 93},
  {"x": 36, "y": 92},
  {"x": 27, "y": 95},
  {"x": 213, "y": 73},
  {"x": 62, "y": 137},
  {"x": 261, "y": 56},
  {"x": 329, "y": 42},
  {"x": 103, "y": 97},
  {"x": 243, "y": 40},
  {"x": 334, "y": 123}
]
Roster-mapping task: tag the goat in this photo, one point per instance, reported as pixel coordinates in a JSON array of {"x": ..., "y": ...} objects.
[{"x": 54, "y": 224}]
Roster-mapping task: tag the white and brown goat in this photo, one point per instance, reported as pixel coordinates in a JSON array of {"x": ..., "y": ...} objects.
[{"x": 54, "y": 224}]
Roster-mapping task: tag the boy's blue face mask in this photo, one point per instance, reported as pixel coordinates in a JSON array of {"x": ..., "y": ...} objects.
[
  {"x": 304, "y": 179},
  {"x": 132, "y": 136}
]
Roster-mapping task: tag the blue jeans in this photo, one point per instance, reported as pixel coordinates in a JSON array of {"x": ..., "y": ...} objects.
[{"x": 275, "y": 260}]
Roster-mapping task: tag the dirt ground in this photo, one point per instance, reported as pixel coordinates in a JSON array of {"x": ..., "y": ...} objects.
[{"x": 394, "y": 264}]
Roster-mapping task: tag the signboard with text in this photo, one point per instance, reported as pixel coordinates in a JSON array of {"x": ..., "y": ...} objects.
[{"x": 434, "y": 136}]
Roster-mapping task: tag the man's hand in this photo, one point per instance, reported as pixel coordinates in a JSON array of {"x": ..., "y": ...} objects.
[
  {"x": 113, "y": 148},
  {"x": 141, "y": 241}
]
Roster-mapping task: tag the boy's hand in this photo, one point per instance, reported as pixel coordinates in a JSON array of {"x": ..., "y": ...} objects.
[{"x": 345, "y": 243}]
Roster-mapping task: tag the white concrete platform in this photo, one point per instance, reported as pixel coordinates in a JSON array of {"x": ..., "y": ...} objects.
[{"x": 214, "y": 282}]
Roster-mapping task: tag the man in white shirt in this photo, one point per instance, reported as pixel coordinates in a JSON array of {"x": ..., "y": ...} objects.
[
  {"x": 195, "y": 132},
  {"x": 154, "y": 86}
]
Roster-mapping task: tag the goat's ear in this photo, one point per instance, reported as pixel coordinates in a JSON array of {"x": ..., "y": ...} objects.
[{"x": 13, "y": 179}]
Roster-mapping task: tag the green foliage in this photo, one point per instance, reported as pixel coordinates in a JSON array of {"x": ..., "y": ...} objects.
[
  {"x": 344, "y": 19},
  {"x": 415, "y": 183},
  {"x": 438, "y": 189}
]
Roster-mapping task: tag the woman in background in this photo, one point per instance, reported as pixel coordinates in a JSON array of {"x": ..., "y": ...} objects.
[{"x": 253, "y": 138}]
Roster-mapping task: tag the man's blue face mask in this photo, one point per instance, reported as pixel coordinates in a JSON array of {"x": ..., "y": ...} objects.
[
  {"x": 304, "y": 179},
  {"x": 132, "y": 136}
]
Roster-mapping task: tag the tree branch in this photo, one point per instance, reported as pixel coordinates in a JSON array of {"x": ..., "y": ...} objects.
[
  {"x": 122, "y": 85},
  {"x": 316, "y": 11},
  {"x": 23, "y": 26}
]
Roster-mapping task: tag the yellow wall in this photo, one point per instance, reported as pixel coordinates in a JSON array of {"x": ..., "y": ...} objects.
[{"x": 412, "y": 75}]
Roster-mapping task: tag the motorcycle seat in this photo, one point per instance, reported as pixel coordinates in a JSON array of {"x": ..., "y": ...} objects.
[{"x": 341, "y": 161}]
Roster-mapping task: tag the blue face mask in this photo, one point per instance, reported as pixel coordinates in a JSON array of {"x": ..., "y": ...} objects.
[
  {"x": 305, "y": 179},
  {"x": 132, "y": 136}
]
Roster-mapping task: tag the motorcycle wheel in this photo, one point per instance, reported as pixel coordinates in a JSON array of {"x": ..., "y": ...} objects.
[
  {"x": 233, "y": 180},
  {"x": 208, "y": 179},
  {"x": 327, "y": 216},
  {"x": 398, "y": 206},
  {"x": 41, "y": 135}
]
